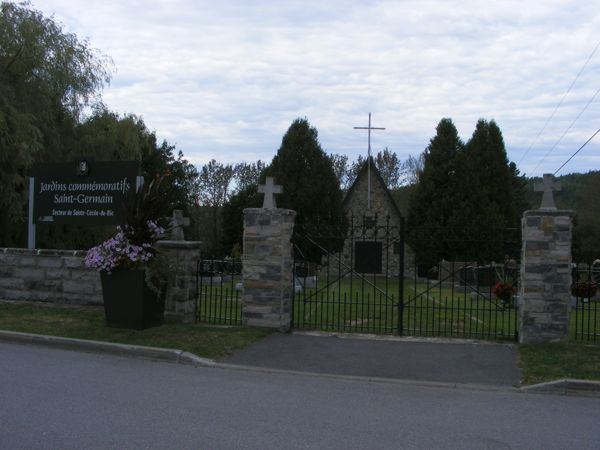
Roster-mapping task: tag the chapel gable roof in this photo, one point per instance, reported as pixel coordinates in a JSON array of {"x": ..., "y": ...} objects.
[{"x": 377, "y": 175}]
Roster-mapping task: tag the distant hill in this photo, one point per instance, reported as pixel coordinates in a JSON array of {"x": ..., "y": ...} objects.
[
  {"x": 579, "y": 192},
  {"x": 570, "y": 195}
]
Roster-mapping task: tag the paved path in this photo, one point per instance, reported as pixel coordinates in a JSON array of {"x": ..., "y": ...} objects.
[{"x": 437, "y": 361}]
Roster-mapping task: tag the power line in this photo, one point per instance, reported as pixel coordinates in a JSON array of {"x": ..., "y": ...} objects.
[
  {"x": 561, "y": 102},
  {"x": 567, "y": 130},
  {"x": 578, "y": 150}
]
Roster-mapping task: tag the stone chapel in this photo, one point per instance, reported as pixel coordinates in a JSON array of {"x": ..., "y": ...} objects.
[{"x": 373, "y": 241}]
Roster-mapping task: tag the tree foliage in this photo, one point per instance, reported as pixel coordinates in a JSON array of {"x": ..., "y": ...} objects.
[
  {"x": 432, "y": 206},
  {"x": 310, "y": 186},
  {"x": 247, "y": 174},
  {"x": 469, "y": 199},
  {"x": 47, "y": 78}
]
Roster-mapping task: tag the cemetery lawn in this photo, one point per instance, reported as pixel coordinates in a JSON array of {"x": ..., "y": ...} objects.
[
  {"x": 88, "y": 323},
  {"x": 550, "y": 362}
]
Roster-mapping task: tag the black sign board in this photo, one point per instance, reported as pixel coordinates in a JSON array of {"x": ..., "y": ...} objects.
[
  {"x": 368, "y": 256},
  {"x": 83, "y": 192}
]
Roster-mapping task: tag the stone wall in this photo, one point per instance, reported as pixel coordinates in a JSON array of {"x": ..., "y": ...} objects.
[
  {"x": 57, "y": 276},
  {"x": 545, "y": 276},
  {"x": 267, "y": 268},
  {"x": 60, "y": 276}
]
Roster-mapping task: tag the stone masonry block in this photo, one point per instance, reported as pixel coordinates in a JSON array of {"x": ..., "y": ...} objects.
[
  {"x": 12, "y": 283},
  {"x": 536, "y": 245},
  {"x": 29, "y": 273},
  {"x": 73, "y": 262},
  {"x": 58, "y": 274},
  {"x": 28, "y": 261},
  {"x": 49, "y": 262},
  {"x": 78, "y": 287}
]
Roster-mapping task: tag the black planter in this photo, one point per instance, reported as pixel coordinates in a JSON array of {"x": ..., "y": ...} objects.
[{"x": 129, "y": 302}]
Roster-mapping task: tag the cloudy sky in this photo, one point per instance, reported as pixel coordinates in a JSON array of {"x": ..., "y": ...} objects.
[{"x": 225, "y": 79}]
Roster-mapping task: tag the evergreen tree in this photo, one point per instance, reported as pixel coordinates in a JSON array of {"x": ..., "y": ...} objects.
[
  {"x": 586, "y": 232},
  {"x": 431, "y": 217},
  {"x": 494, "y": 183},
  {"x": 232, "y": 217},
  {"x": 310, "y": 185},
  {"x": 469, "y": 199}
]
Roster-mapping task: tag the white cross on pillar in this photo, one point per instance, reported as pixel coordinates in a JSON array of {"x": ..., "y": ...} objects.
[
  {"x": 547, "y": 186},
  {"x": 269, "y": 188}
]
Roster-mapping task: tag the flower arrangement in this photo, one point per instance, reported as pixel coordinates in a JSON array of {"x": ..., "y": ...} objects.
[
  {"x": 133, "y": 245},
  {"x": 504, "y": 291},
  {"x": 123, "y": 250},
  {"x": 584, "y": 289}
]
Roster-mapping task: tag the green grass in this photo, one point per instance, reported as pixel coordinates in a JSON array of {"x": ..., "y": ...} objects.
[
  {"x": 584, "y": 325},
  {"x": 549, "y": 362},
  {"x": 88, "y": 323},
  {"x": 371, "y": 306}
]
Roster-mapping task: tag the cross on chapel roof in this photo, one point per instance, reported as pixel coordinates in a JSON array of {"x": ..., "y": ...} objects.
[
  {"x": 269, "y": 189},
  {"x": 547, "y": 186}
]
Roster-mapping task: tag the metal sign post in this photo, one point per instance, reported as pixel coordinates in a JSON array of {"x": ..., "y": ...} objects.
[{"x": 30, "y": 224}]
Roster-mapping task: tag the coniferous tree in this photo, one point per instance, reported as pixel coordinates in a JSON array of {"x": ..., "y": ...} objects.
[
  {"x": 468, "y": 202},
  {"x": 310, "y": 186},
  {"x": 492, "y": 185},
  {"x": 433, "y": 204}
]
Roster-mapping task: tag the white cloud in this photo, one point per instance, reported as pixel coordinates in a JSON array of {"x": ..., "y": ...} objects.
[{"x": 224, "y": 80}]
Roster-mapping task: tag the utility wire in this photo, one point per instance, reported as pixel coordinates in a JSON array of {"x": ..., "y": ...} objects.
[
  {"x": 578, "y": 150},
  {"x": 561, "y": 102},
  {"x": 567, "y": 130}
]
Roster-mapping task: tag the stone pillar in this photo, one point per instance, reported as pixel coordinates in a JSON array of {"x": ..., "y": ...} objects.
[
  {"x": 267, "y": 268},
  {"x": 545, "y": 290},
  {"x": 181, "y": 265}
]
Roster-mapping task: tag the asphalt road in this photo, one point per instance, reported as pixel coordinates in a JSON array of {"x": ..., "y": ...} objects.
[{"x": 52, "y": 398}]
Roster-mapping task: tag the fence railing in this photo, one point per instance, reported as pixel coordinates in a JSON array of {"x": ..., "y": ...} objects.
[
  {"x": 454, "y": 299},
  {"x": 219, "y": 291},
  {"x": 585, "y": 303}
]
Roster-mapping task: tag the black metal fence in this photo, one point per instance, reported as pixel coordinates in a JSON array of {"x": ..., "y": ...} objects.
[
  {"x": 351, "y": 283},
  {"x": 585, "y": 305},
  {"x": 456, "y": 300},
  {"x": 219, "y": 291},
  {"x": 463, "y": 299}
]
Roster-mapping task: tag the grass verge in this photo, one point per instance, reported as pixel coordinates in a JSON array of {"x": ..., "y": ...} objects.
[
  {"x": 88, "y": 323},
  {"x": 540, "y": 363}
]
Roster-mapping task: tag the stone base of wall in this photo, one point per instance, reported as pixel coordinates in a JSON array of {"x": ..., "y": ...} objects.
[
  {"x": 60, "y": 276},
  {"x": 55, "y": 276}
]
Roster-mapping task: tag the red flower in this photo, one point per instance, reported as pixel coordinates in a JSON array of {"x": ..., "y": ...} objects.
[{"x": 503, "y": 291}]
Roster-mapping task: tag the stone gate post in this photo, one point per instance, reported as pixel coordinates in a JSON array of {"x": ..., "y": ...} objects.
[
  {"x": 545, "y": 290},
  {"x": 267, "y": 272}
]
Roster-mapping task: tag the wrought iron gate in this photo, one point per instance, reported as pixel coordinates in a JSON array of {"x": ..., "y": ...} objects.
[
  {"x": 350, "y": 283},
  {"x": 371, "y": 284}
]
